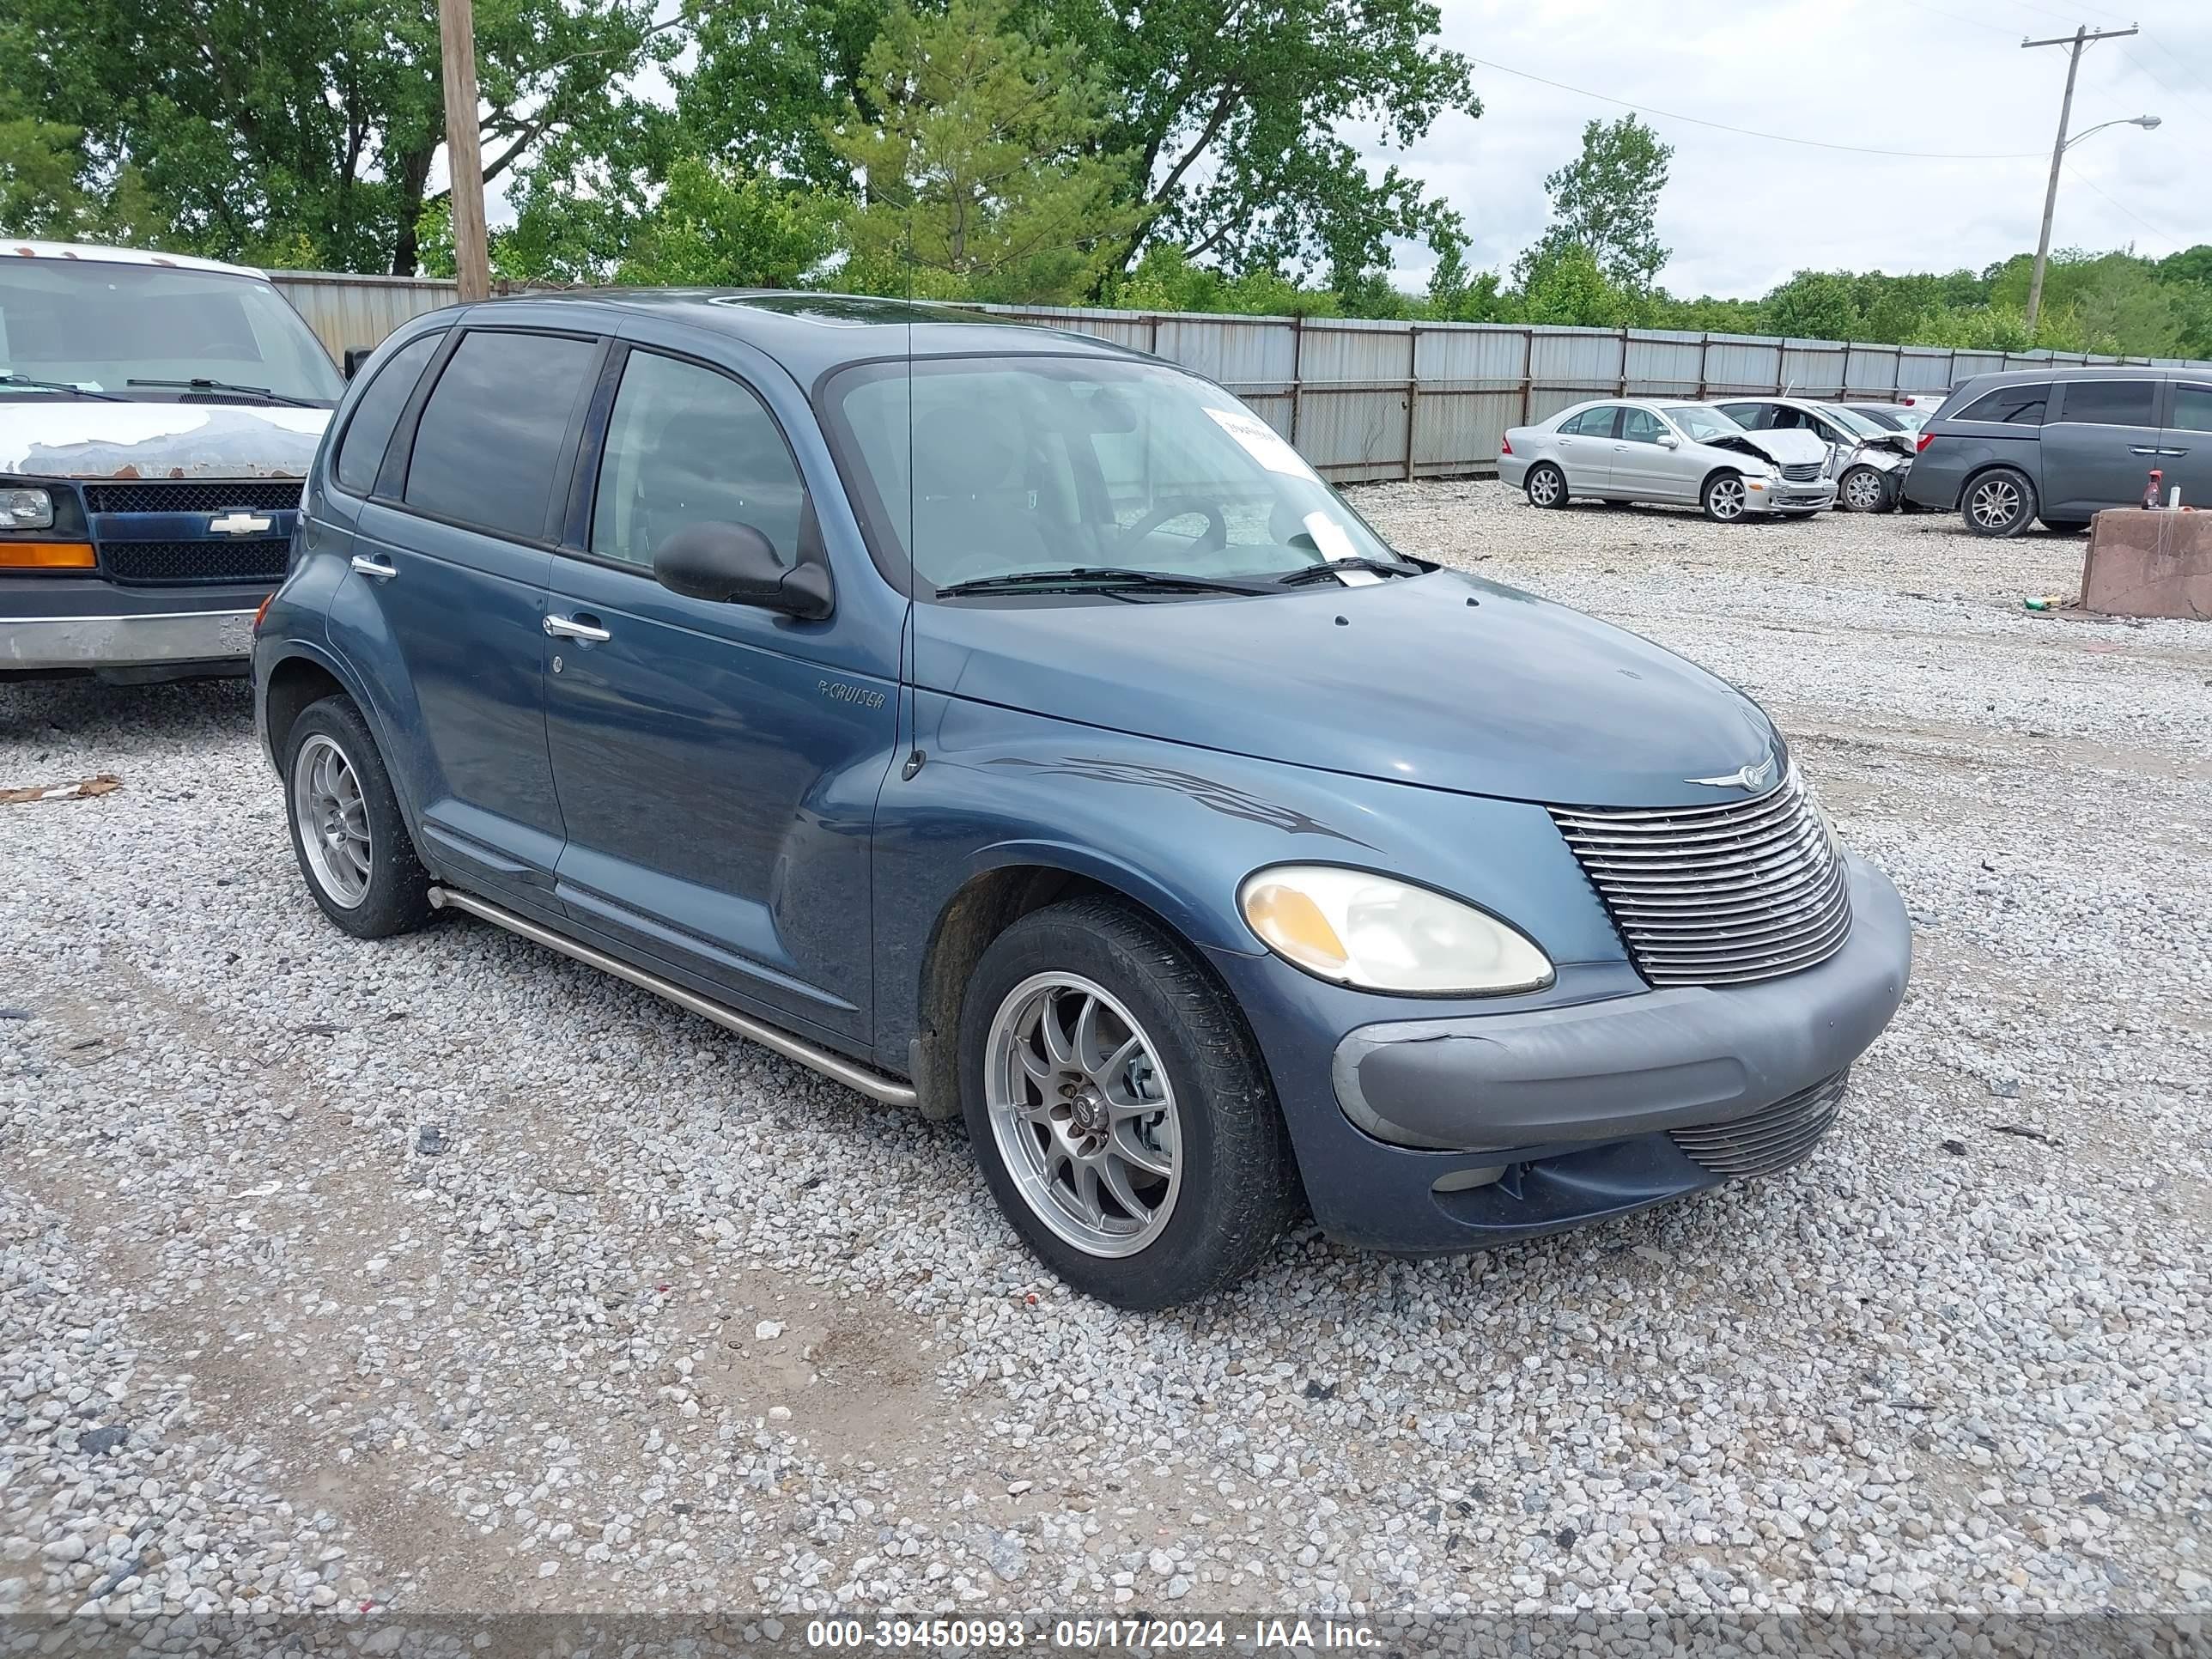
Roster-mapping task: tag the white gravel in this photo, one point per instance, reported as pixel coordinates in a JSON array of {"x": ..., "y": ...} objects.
[{"x": 444, "y": 1276}]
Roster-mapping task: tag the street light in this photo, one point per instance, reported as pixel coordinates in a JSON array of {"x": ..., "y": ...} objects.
[{"x": 2076, "y": 43}]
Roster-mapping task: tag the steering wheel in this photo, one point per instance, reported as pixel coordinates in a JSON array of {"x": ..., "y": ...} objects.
[{"x": 1177, "y": 506}]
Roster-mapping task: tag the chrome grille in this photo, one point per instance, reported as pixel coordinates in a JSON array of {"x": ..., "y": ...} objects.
[
  {"x": 1726, "y": 894},
  {"x": 1767, "y": 1140},
  {"x": 1802, "y": 472}
]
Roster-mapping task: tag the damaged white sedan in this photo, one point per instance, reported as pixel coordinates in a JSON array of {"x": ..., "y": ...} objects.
[{"x": 1668, "y": 454}]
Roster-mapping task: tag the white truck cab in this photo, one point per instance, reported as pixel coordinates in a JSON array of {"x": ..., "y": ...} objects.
[{"x": 157, "y": 417}]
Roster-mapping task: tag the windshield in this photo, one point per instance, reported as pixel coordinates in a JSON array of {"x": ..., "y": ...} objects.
[
  {"x": 101, "y": 326},
  {"x": 1851, "y": 421},
  {"x": 1701, "y": 423},
  {"x": 1013, "y": 464}
]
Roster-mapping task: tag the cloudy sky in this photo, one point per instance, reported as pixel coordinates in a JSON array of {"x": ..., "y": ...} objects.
[{"x": 1947, "y": 78}]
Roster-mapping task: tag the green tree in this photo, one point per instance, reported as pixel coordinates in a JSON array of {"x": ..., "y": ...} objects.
[
  {"x": 983, "y": 172},
  {"x": 1813, "y": 304},
  {"x": 1607, "y": 200},
  {"x": 269, "y": 131},
  {"x": 713, "y": 229},
  {"x": 1565, "y": 285}
]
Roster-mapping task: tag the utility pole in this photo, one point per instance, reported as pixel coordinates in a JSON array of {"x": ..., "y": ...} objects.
[
  {"x": 456, "y": 47},
  {"x": 2080, "y": 36}
]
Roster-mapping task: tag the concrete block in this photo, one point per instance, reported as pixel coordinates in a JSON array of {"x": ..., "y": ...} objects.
[{"x": 2149, "y": 564}]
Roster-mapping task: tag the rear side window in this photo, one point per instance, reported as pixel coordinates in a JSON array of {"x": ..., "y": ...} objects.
[
  {"x": 688, "y": 446},
  {"x": 489, "y": 444},
  {"x": 361, "y": 451},
  {"x": 2111, "y": 403},
  {"x": 2013, "y": 405},
  {"x": 2192, "y": 409},
  {"x": 1590, "y": 423},
  {"x": 1753, "y": 417}
]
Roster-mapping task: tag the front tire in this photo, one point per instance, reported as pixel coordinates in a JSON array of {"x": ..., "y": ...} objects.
[
  {"x": 1999, "y": 503},
  {"x": 2065, "y": 526},
  {"x": 1863, "y": 489},
  {"x": 1546, "y": 486},
  {"x": 347, "y": 831},
  {"x": 1119, "y": 1108},
  {"x": 1724, "y": 498}
]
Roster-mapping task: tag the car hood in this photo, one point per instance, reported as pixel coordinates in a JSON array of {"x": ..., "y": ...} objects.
[
  {"x": 1786, "y": 447},
  {"x": 83, "y": 439},
  {"x": 1442, "y": 680}
]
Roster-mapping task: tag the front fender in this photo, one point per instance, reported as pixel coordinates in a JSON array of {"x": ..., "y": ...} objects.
[{"x": 1177, "y": 828}]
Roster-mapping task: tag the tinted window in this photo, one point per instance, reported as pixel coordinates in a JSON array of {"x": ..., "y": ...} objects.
[
  {"x": 2014, "y": 405},
  {"x": 1753, "y": 417},
  {"x": 1640, "y": 426},
  {"x": 378, "y": 410},
  {"x": 1590, "y": 423},
  {"x": 2192, "y": 409},
  {"x": 687, "y": 446},
  {"x": 489, "y": 443},
  {"x": 2111, "y": 403}
]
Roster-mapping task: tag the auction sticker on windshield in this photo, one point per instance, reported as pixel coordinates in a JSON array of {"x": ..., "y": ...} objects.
[{"x": 1262, "y": 441}]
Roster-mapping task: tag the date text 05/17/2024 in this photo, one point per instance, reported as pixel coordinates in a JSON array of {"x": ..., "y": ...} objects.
[{"x": 1104, "y": 1634}]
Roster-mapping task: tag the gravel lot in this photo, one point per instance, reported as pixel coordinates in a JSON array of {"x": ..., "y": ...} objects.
[{"x": 445, "y": 1275}]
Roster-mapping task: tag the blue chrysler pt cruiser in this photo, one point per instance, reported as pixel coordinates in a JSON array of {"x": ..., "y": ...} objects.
[{"x": 1011, "y": 726}]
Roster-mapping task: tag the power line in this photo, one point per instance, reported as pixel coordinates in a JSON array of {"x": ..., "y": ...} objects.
[
  {"x": 2082, "y": 178},
  {"x": 1750, "y": 132}
]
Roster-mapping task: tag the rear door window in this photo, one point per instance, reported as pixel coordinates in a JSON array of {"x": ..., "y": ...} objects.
[
  {"x": 1751, "y": 417},
  {"x": 2192, "y": 409},
  {"x": 382, "y": 403},
  {"x": 489, "y": 444},
  {"x": 2109, "y": 402},
  {"x": 1590, "y": 423},
  {"x": 2010, "y": 405}
]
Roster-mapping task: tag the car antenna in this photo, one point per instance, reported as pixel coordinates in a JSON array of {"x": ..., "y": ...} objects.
[{"x": 909, "y": 653}]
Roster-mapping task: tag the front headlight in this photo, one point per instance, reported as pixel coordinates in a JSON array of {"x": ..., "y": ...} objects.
[
  {"x": 26, "y": 509},
  {"x": 1358, "y": 929}
]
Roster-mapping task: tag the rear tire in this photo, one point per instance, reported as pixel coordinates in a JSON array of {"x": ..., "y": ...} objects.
[
  {"x": 1724, "y": 498},
  {"x": 1546, "y": 485},
  {"x": 1091, "y": 1042},
  {"x": 347, "y": 832},
  {"x": 1999, "y": 503}
]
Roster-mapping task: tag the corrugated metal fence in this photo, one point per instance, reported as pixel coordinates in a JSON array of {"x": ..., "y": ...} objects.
[{"x": 1374, "y": 400}]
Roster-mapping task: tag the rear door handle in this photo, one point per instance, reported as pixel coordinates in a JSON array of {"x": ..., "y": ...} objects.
[
  {"x": 2145, "y": 449},
  {"x": 575, "y": 628},
  {"x": 376, "y": 567},
  {"x": 2173, "y": 452}
]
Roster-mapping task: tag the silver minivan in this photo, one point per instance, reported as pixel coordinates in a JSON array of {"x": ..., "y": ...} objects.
[{"x": 2058, "y": 445}]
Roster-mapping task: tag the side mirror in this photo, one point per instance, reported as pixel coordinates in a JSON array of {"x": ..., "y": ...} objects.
[
  {"x": 354, "y": 357},
  {"x": 1668, "y": 440},
  {"x": 735, "y": 564}
]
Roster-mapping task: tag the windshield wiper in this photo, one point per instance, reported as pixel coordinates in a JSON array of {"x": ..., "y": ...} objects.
[
  {"x": 31, "y": 383},
  {"x": 1380, "y": 567},
  {"x": 1102, "y": 578},
  {"x": 196, "y": 385}
]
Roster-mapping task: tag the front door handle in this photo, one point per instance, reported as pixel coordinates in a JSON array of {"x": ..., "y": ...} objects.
[
  {"x": 376, "y": 567},
  {"x": 575, "y": 628},
  {"x": 2145, "y": 449}
]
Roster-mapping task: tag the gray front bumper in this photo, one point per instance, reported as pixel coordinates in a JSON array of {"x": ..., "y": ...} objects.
[
  {"x": 139, "y": 639},
  {"x": 1631, "y": 1066}
]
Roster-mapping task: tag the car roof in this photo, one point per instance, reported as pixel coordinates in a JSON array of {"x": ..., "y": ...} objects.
[
  {"x": 2070, "y": 372},
  {"x": 92, "y": 253},
  {"x": 810, "y": 334}
]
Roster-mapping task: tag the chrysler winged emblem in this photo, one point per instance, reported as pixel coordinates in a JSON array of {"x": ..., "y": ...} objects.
[{"x": 1746, "y": 777}]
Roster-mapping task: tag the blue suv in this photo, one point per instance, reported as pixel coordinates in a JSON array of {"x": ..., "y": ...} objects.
[{"x": 1011, "y": 726}]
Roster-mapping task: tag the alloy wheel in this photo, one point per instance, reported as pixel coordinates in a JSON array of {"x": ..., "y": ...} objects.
[
  {"x": 1862, "y": 491},
  {"x": 1082, "y": 1113},
  {"x": 1726, "y": 498},
  {"x": 332, "y": 819},
  {"x": 1544, "y": 486},
  {"x": 1997, "y": 504}
]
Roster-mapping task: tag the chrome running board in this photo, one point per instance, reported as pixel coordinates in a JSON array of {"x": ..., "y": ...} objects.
[{"x": 875, "y": 1085}]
